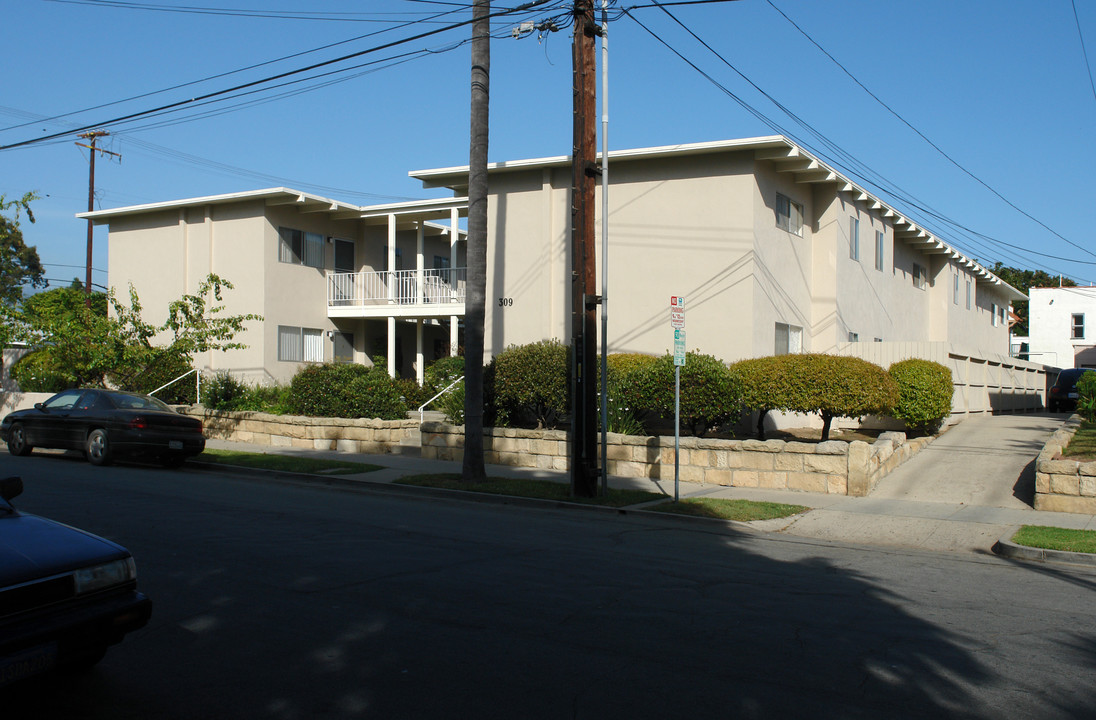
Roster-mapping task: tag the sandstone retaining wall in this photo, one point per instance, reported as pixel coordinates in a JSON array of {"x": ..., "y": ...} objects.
[
  {"x": 357, "y": 436},
  {"x": 835, "y": 466},
  {"x": 1064, "y": 485}
]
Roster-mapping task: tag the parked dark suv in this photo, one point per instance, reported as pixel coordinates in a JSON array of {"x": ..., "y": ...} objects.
[{"x": 1063, "y": 394}]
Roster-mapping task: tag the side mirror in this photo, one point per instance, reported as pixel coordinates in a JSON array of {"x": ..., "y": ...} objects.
[
  {"x": 11, "y": 487},
  {"x": 40, "y": 406}
]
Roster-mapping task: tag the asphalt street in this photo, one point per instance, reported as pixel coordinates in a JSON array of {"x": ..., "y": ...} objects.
[{"x": 280, "y": 600}]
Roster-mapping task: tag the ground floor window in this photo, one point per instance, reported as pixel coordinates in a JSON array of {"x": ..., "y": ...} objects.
[
  {"x": 297, "y": 344},
  {"x": 789, "y": 339}
]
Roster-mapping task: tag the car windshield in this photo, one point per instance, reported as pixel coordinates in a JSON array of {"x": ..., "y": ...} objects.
[{"x": 124, "y": 401}]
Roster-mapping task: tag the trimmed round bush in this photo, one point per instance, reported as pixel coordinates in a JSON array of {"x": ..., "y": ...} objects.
[
  {"x": 442, "y": 373},
  {"x": 830, "y": 385},
  {"x": 531, "y": 384},
  {"x": 925, "y": 389},
  {"x": 345, "y": 390},
  {"x": 710, "y": 394}
]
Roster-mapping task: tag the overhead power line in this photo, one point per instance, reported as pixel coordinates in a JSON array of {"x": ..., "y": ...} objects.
[
  {"x": 289, "y": 73},
  {"x": 866, "y": 172},
  {"x": 934, "y": 146}
]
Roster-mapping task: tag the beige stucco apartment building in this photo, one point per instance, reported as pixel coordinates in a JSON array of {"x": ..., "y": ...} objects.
[{"x": 773, "y": 250}]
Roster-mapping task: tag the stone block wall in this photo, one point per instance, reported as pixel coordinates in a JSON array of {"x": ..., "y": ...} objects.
[
  {"x": 835, "y": 467},
  {"x": 356, "y": 436},
  {"x": 1064, "y": 485}
]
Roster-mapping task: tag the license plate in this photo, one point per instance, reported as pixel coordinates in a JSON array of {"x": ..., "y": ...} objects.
[
  {"x": 25, "y": 664},
  {"x": 174, "y": 444},
  {"x": 1073, "y": 396}
]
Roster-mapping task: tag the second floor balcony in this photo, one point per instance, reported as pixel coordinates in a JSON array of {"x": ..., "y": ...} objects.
[{"x": 397, "y": 293}]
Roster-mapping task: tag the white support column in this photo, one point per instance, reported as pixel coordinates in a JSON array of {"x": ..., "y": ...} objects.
[
  {"x": 420, "y": 263},
  {"x": 454, "y": 237},
  {"x": 392, "y": 347},
  {"x": 420, "y": 371},
  {"x": 391, "y": 257}
]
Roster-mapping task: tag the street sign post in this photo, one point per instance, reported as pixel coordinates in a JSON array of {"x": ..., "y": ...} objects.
[{"x": 677, "y": 322}]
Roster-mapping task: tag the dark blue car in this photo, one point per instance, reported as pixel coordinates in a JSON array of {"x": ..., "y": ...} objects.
[
  {"x": 1063, "y": 394},
  {"x": 65, "y": 595}
]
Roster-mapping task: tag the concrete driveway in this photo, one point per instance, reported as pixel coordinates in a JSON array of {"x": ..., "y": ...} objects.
[{"x": 962, "y": 493}]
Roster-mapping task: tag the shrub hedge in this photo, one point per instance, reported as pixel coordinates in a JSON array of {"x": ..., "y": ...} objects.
[
  {"x": 925, "y": 389},
  {"x": 710, "y": 394},
  {"x": 531, "y": 384},
  {"x": 345, "y": 390},
  {"x": 1086, "y": 396},
  {"x": 830, "y": 385},
  {"x": 35, "y": 372}
]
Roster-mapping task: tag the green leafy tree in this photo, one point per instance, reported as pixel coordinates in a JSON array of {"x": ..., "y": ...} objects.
[
  {"x": 19, "y": 263},
  {"x": 1024, "y": 280},
  {"x": 88, "y": 346}
]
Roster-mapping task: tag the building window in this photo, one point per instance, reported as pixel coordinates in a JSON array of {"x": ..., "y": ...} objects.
[
  {"x": 441, "y": 262},
  {"x": 955, "y": 293},
  {"x": 854, "y": 238},
  {"x": 878, "y": 339},
  {"x": 968, "y": 294},
  {"x": 789, "y": 339},
  {"x": 300, "y": 248},
  {"x": 1077, "y": 326},
  {"x": 920, "y": 276},
  {"x": 789, "y": 215},
  {"x": 993, "y": 313},
  {"x": 300, "y": 344},
  {"x": 879, "y": 238},
  {"x": 854, "y": 337},
  {"x": 344, "y": 347}
]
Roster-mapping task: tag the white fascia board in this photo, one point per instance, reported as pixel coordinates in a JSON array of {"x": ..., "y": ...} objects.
[
  {"x": 279, "y": 193},
  {"x": 770, "y": 141},
  {"x": 413, "y": 207}
]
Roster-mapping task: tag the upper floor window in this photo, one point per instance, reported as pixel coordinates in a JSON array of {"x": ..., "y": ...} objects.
[
  {"x": 879, "y": 250},
  {"x": 955, "y": 291},
  {"x": 300, "y": 248},
  {"x": 854, "y": 238},
  {"x": 969, "y": 293},
  {"x": 789, "y": 215},
  {"x": 854, "y": 337},
  {"x": 920, "y": 276},
  {"x": 1078, "y": 326},
  {"x": 993, "y": 314}
]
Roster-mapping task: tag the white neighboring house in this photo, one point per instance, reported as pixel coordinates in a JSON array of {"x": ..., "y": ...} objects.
[{"x": 1062, "y": 326}]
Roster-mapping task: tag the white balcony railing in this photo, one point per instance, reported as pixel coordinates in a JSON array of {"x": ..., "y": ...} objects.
[{"x": 399, "y": 287}]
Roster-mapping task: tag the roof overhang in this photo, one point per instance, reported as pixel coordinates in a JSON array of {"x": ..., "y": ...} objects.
[{"x": 786, "y": 157}]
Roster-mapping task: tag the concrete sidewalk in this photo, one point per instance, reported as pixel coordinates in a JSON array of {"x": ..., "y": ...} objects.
[{"x": 964, "y": 492}]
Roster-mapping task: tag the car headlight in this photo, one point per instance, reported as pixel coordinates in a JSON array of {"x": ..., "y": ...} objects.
[{"x": 98, "y": 577}]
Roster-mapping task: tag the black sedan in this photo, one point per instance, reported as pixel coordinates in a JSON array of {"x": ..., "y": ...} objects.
[
  {"x": 104, "y": 424},
  {"x": 65, "y": 595}
]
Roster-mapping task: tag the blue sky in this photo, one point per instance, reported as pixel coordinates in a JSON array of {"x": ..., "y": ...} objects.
[{"x": 1003, "y": 88}]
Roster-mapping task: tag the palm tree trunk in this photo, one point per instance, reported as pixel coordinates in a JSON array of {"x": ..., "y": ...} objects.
[{"x": 473, "y": 468}]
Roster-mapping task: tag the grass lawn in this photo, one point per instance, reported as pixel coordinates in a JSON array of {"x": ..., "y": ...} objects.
[
  {"x": 1083, "y": 445},
  {"x": 740, "y": 510},
  {"x": 285, "y": 463},
  {"x": 521, "y": 487},
  {"x": 1050, "y": 538}
]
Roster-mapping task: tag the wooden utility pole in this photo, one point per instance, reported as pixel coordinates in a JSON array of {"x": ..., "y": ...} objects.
[
  {"x": 584, "y": 298},
  {"x": 472, "y": 468},
  {"x": 92, "y": 137}
]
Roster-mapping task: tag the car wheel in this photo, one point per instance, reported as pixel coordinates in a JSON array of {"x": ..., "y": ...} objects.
[
  {"x": 17, "y": 440},
  {"x": 98, "y": 447}
]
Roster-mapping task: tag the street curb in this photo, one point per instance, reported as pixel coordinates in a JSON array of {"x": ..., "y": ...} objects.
[
  {"x": 1006, "y": 548},
  {"x": 393, "y": 488}
]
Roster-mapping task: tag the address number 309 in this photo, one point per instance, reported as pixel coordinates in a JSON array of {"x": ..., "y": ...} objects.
[{"x": 506, "y": 302}]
